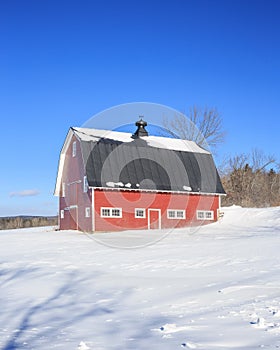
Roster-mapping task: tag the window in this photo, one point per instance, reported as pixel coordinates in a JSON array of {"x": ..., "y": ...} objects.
[
  {"x": 205, "y": 214},
  {"x": 140, "y": 213},
  {"x": 87, "y": 212},
  {"x": 74, "y": 149},
  {"x": 63, "y": 189},
  {"x": 180, "y": 214},
  {"x": 85, "y": 184},
  {"x": 61, "y": 214},
  {"x": 111, "y": 212},
  {"x": 105, "y": 212},
  {"x": 176, "y": 214},
  {"x": 171, "y": 214},
  {"x": 116, "y": 212}
]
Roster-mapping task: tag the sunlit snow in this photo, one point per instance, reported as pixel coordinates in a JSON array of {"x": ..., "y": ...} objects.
[
  {"x": 217, "y": 287},
  {"x": 95, "y": 135}
]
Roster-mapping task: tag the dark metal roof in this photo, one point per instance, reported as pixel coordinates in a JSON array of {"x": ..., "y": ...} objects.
[{"x": 136, "y": 165}]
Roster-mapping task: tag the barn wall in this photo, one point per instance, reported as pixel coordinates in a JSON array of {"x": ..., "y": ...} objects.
[
  {"x": 75, "y": 200},
  {"x": 129, "y": 200}
]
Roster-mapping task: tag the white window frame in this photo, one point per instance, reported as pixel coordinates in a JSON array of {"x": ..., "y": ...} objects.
[
  {"x": 111, "y": 212},
  {"x": 203, "y": 215},
  {"x": 139, "y": 216},
  {"x": 74, "y": 149},
  {"x": 63, "y": 189},
  {"x": 176, "y": 216},
  {"x": 85, "y": 185},
  {"x": 87, "y": 212},
  {"x": 61, "y": 214}
]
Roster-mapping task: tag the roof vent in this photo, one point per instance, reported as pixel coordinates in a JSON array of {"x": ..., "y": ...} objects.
[{"x": 141, "y": 131}]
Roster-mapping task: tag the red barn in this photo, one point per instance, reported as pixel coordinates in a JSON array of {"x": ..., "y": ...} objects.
[{"x": 111, "y": 181}]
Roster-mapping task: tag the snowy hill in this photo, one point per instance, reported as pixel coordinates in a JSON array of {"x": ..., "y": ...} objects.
[{"x": 215, "y": 287}]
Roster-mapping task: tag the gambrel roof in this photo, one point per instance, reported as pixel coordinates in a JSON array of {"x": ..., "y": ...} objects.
[{"x": 119, "y": 160}]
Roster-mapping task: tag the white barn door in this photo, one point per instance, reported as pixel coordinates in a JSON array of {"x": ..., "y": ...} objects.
[{"x": 154, "y": 219}]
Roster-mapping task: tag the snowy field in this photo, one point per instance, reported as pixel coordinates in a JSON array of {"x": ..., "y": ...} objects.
[{"x": 214, "y": 288}]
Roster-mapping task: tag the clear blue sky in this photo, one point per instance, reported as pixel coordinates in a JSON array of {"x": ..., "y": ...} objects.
[{"x": 61, "y": 62}]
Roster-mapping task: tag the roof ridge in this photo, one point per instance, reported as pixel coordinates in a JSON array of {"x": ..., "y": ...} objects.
[{"x": 152, "y": 140}]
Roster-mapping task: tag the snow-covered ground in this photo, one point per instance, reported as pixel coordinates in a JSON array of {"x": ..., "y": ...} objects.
[{"x": 213, "y": 288}]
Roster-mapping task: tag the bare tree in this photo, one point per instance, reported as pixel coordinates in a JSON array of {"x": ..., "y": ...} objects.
[
  {"x": 204, "y": 126},
  {"x": 261, "y": 161}
]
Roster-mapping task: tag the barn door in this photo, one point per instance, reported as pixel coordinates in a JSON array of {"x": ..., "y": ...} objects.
[
  {"x": 73, "y": 220},
  {"x": 154, "y": 219},
  {"x": 73, "y": 207},
  {"x": 73, "y": 189}
]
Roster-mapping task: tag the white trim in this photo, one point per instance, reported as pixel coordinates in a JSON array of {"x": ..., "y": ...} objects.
[
  {"x": 176, "y": 217},
  {"x": 67, "y": 142},
  {"x": 59, "y": 175},
  {"x": 204, "y": 215},
  {"x": 149, "y": 217},
  {"x": 61, "y": 214},
  {"x": 63, "y": 191},
  {"x": 140, "y": 217},
  {"x": 62, "y": 160},
  {"x": 111, "y": 209},
  {"x": 93, "y": 209}
]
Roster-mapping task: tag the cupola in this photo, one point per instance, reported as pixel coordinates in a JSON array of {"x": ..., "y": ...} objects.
[{"x": 141, "y": 131}]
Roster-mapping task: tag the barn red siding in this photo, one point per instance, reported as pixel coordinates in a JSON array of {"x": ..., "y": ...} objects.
[
  {"x": 128, "y": 201},
  {"x": 75, "y": 202}
]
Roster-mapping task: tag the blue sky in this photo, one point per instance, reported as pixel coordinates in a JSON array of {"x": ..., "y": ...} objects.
[{"x": 61, "y": 62}]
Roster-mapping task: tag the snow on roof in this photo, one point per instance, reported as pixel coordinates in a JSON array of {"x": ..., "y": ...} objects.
[{"x": 87, "y": 134}]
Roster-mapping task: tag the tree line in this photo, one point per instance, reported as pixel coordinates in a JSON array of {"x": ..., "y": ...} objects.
[
  {"x": 251, "y": 180},
  {"x": 7, "y": 223}
]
